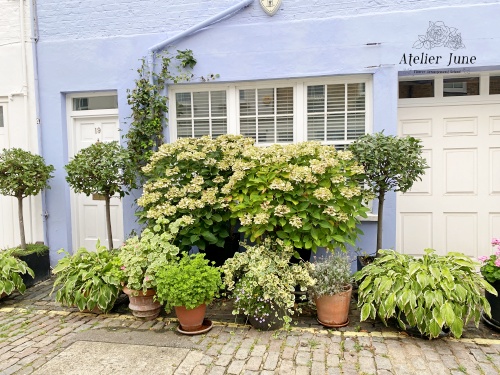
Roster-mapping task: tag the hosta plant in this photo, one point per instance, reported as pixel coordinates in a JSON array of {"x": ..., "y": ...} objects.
[
  {"x": 141, "y": 257},
  {"x": 190, "y": 282},
  {"x": 88, "y": 279},
  {"x": 185, "y": 179},
  {"x": 262, "y": 281},
  {"x": 308, "y": 195},
  {"x": 429, "y": 293},
  {"x": 11, "y": 269}
]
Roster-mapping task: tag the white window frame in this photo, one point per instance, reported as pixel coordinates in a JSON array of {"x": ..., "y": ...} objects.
[{"x": 299, "y": 101}]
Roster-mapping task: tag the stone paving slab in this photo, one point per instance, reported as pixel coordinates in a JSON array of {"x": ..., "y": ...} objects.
[{"x": 39, "y": 337}]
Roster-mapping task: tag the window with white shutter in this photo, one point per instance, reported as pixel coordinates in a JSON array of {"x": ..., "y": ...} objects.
[{"x": 331, "y": 110}]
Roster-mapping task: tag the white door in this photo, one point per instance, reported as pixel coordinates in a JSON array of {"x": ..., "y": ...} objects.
[
  {"x": 89, "y": 218},
  {"x": 456, "y": 207}
]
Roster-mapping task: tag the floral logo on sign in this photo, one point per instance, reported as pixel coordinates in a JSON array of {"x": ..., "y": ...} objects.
[{"x": 440, "y": 35}]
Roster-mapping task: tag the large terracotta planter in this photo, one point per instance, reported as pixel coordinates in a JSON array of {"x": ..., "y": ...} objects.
[
  {"x": 191, "y": 320},
  {"x": 333, "y": 311},
  {"x": 142, "y": 304}
]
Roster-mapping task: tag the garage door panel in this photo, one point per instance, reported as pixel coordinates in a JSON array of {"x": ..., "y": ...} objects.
[
  {"x": 461, "y": 232},
  {"x": 460, "y": 126},
  {"x": 424, "y": 186},
  {"x": 460, "y": 171},
  {"x": 495, "y": 125},
  {"x": 417, "y": 128},
  {"x": 495, "y": 171},
  {"x": 417, "y": 231}
]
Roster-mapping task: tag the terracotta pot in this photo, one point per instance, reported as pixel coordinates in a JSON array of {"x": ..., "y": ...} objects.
[
  {"x": 333, "y": 311},
  {"x": 191, "y": 320},
  {"x": 142, "y": 304}
]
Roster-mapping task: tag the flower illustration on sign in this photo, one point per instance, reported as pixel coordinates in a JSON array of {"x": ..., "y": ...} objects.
[{"x": 440, "y": 35}]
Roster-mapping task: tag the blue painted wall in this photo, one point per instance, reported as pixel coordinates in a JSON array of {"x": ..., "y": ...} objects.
[{"x": 96, "y": 45}]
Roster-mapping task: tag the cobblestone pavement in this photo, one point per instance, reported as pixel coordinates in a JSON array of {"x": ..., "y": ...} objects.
[{"x": 36, "y": 334}]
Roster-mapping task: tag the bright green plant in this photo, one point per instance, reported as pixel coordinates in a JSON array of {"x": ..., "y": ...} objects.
[
  {"x": 141, "y": 258},
  {"x": 23, "y": 174},
  {"x": 331, "y": 275},
  {"x": 390, "y": 163},
  {"x": 88, "y": 279},
  {"x": 105, "y": 169},
  {"x": 189, "y": 283},
  {"x": 428, "y": 293},
  {"x": 184, "y": 179},
  {"x": 306, "y": 194},
  {"x": 11, "y": 269},
  {"x": 262, "y": 281}
]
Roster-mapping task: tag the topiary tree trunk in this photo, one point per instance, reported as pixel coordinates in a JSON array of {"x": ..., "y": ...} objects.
[{"x": 22, "y": 174}]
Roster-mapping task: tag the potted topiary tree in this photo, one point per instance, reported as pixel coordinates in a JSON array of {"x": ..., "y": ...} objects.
[
  {"x": 105, "y": 169},
  {"x": 22, "y": 174},
  {"x": 390, "y": 163}
]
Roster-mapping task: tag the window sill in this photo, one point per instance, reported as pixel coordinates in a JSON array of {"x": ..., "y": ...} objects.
[{"x": 370, "y": 217}]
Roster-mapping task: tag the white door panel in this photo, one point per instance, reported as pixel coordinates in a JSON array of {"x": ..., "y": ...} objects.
[
  {"x": 456, "y": 206},
  {"x": 90, "y": 212}
]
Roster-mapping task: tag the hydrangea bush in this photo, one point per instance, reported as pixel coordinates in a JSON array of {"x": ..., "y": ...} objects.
[
  {"x": 306, "y": 194},
  {"x": 262, "y": 281},
  {"x": 185, "y": 180}
]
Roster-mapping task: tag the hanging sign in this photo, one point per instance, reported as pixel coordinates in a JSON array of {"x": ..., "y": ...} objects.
[{"x": 270, "y": 6}]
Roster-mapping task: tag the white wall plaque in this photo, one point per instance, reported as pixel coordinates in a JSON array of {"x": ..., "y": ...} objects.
[{"x": 270, "y": 6}]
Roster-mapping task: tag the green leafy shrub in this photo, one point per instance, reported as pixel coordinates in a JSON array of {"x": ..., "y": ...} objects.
[
  {"x": 185, "y": 179},
  {"x": 490, "y": 268},
  {"x": 23, "y": 174},
  {"x": 11, "y": 269},
  {"x": 189, "y": 283},
  {"x": 88, "y": 279},
  {"x": 331, "y": 275},
  {"x": 31, "y": 248},
  {"x": 390, "y": 163},
  {"x": 428, "y": 293},
  {"x": 141, "y": 258},
  {"x": 262, "y": 281},
  {"x": 105, "y": 169},
  {"x": 306, "y": 194}
]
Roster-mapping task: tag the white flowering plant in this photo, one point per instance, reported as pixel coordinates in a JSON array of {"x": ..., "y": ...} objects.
[
  {"x": 262, "y": 281},
  {"x": 140, "y": 258},
  {"x": 185, "y": 180},
  {"x": 307, "y": 194}
]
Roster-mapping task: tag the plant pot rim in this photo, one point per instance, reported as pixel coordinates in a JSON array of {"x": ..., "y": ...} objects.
[
  {"x": 347, "y": 289},
  {"x": 140, "y": 292}
]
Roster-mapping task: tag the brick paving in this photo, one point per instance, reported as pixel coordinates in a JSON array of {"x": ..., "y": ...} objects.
[{"x": 34, "y": 330}]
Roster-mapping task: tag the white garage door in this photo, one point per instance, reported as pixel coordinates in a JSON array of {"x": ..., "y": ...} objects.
[{"x": 456, "y": 207}]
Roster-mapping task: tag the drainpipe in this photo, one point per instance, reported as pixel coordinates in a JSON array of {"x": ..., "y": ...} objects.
[
  {"x": 36, "y": 93},
  {"x": 157, "y": 47}
]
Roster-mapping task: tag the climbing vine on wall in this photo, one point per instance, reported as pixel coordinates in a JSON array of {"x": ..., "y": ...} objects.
[{"x": 149, "y": 104}]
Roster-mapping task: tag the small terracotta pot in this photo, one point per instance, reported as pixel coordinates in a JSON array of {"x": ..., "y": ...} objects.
[
  {"x": 142, "y": 304},
  {"x": 333, "y": 311},
  {"x": 191, "y": 320}
]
